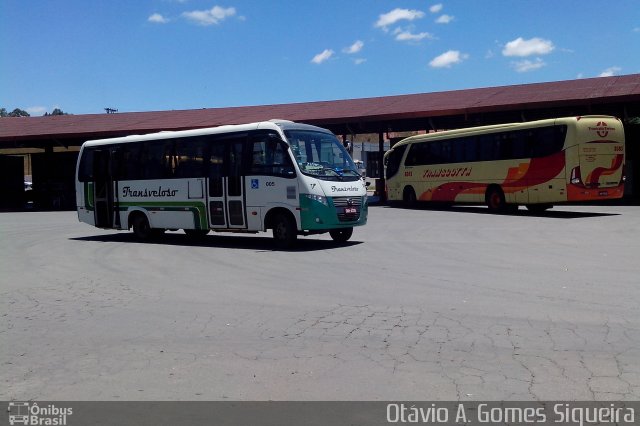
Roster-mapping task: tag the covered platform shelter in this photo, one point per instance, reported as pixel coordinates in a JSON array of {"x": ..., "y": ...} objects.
[{"x": 49, "y": 145}]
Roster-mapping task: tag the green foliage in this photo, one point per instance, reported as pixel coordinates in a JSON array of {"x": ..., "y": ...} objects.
[{"x": 15, "y": 113}]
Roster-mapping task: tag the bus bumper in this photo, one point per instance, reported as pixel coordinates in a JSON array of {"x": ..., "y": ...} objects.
[
  {"x": 335, "y": 214},
  {"x": 580, "y": 193}
]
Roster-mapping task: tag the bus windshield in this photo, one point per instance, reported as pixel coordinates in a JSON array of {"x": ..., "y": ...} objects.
[{"x": 321, "y": 155}]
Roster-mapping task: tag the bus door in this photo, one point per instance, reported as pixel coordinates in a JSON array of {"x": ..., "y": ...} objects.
[
  {"x": 103, "y": 189},
  {"x": 226, "y": 185}
]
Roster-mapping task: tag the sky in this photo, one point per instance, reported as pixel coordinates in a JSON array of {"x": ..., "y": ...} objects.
[{"x": 83, "y": 56}]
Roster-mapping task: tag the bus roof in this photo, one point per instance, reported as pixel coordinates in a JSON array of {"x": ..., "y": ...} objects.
[
  {"x": 495, "y": 127},
  {"x": 274, "y": 124}
]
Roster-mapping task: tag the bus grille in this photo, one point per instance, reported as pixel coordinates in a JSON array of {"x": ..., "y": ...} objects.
[{"x": 342, "y": 203}]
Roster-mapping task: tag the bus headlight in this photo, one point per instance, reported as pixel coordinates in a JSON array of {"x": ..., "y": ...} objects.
[{"x": 318, "y": 198}]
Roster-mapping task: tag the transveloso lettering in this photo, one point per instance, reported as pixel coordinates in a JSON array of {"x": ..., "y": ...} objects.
[{"x": 148, "y": 192}]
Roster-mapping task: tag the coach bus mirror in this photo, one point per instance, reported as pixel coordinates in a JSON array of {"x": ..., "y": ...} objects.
[{"x": 368, "y": 184}]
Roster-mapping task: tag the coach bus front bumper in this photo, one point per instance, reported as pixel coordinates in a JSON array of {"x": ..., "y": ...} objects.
[{"x": 319, "y": 213}]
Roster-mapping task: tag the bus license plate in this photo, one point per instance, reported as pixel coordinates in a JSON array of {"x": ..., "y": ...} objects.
[
  {"x": 350, "y": 210},
  {"x": 603, "y": 193}
]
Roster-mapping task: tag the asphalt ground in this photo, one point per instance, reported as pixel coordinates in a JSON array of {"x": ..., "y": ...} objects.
[{"x": 422, "y": 304}]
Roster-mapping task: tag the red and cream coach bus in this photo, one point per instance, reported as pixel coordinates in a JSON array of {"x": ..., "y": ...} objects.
[{"x": 536, "y": 164}]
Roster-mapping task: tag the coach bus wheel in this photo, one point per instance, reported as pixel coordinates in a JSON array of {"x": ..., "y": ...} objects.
[
  {"x": 495, "y": 199},
  {"x": 409, "y": 198},
  {"x": 284, "y": 231},
  {"x": 141, "y": 227},
  {"x": 196, "y": 233},
  {"x": 341, "y": 235}
]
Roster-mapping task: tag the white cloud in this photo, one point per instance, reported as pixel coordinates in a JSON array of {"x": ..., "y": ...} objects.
[
  {"x": 324, "y": 56},
  {"x": 403, "y": 35},
  {"x": 354, "y": 48},
  {"x": 527, "y": 65},
  {"x": 522, "y": 47},
  {"x": 359, "y": 61},
  {"x": 610, "y": 72},
  {"x": 156, "y": 18},
  {"x": 36, "y": 110},
  {"x": 435, "y": 8},
  {"x": 444, "y": 19},
  {"x": 396, "y": 15},
  {"x": 215, "y": 15},
  {"x": 447, "y": 59}
]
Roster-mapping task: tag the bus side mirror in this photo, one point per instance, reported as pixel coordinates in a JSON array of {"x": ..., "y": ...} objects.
[{"x": 368, "y": 184}]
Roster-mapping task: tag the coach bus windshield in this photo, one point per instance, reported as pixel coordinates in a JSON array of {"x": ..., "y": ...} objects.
[{"x": 321, "y": 155}]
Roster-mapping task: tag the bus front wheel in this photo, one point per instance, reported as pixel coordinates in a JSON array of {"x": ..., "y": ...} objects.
[
  {"x": 341, "y": 235},
  {"x": 409, "y": 199},
  {"x": 495, "y": 199},
  {"x": 284, "y": 231}
]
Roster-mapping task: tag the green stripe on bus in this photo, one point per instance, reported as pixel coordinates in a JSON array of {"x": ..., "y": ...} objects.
[{"x": 88, "y": 195}]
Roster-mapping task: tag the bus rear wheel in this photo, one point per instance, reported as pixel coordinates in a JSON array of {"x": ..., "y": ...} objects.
[
  {"x": 284, "y": 231},
  {"x": 341, "y": 235},
  {"x": 495, "y": 199}
]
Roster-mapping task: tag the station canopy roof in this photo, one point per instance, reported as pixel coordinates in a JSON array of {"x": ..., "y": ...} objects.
[{"x": 365, "y": 113}]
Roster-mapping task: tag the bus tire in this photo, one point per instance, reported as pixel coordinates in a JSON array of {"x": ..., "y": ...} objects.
[
  {"x": 409, "y": 199},
  {"x": 141, "y": 228},
  {"x": 495, "y": 200},
  {"x": 196, "y": 234},
  {"x": 341, "y": 235},
  {"x": 284, "y": 231},
  {"x": 539, "y": 208}
]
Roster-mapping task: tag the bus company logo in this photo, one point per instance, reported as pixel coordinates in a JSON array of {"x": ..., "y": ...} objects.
[
  {"x": 340, "y": 189},
  {"x": 30, "y": 413},
  {"x": 602, "y": 129}
]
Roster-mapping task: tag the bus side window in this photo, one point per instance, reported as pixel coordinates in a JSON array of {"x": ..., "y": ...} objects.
[
  {"x": 189, "y": 158},
  {"x": 470, "y": 149},
  {"x": 131, "y": 161},
  {"x": 270, "y": 157},
  {"x": 85, "y": 171},
  {"x": 216, "y": 169},
  {"x": 548, "y": 140}
]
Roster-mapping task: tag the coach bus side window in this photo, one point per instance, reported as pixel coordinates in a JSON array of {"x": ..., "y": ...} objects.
[
  {"x": 548, "y": 140},
  {"x": 418, "y": 153},
  {"x": 470, "y": 148}
]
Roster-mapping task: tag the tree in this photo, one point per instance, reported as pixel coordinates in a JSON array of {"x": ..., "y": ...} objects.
[
  {"x": 19, "y": 113},
  {"x": 56, "y": 111},
  {"x": 3, "y": 112}
]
